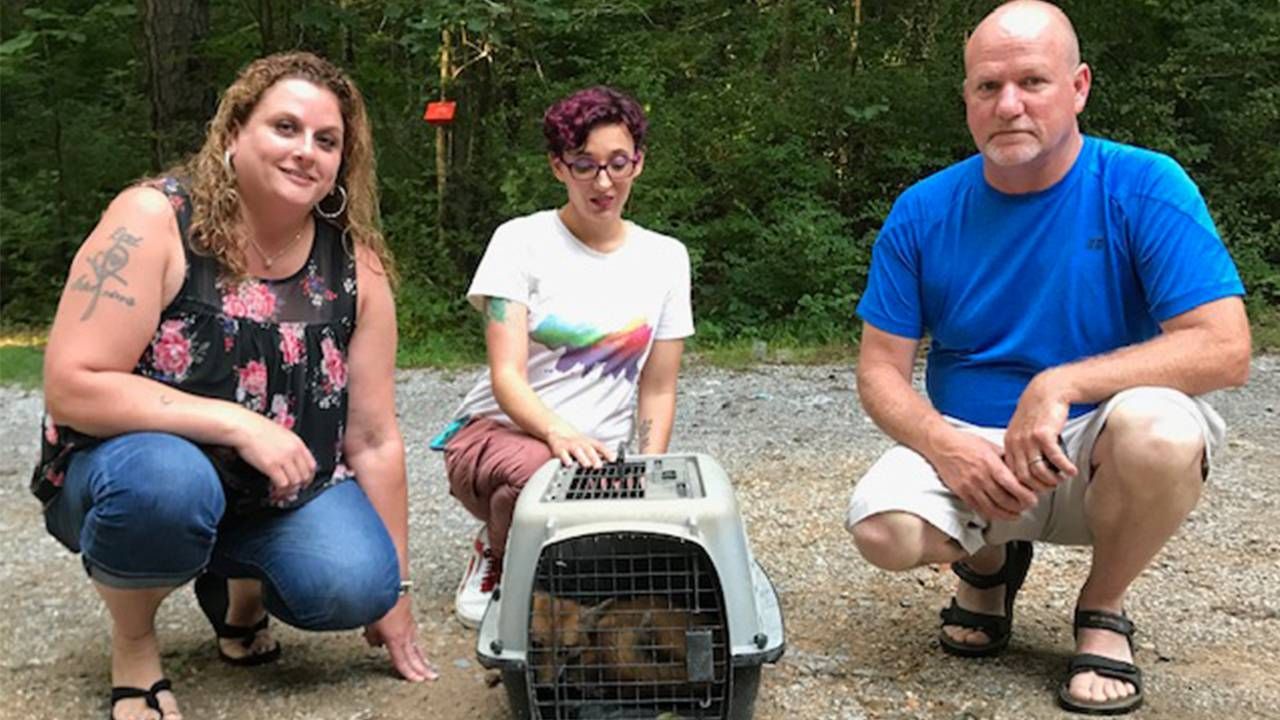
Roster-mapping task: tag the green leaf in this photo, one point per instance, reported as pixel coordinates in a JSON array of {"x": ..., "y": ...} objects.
[
  {"x": 866, "y": 114},
  {"x": 17, "y": 43},
  {"x": 38, "y": 14}
]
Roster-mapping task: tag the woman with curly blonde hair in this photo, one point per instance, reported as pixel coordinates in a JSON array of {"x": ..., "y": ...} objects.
[
  {"x": 353, "y": 203},
  {"x": 219, "y": 390}
]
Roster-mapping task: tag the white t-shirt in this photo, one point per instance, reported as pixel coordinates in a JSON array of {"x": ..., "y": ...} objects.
[{"x": 593, "y": 317}]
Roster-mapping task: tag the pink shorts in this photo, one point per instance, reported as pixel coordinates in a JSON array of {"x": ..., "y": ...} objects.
[{"x": 488, "y": 464}]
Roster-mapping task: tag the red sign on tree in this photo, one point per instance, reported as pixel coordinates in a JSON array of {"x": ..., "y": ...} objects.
[{"x": 440, "y": 112}]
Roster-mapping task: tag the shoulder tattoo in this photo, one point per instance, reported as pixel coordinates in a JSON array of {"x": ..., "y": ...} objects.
[
  {"x": 106, "y": 266},
  {"x": 496, "y": 309}
]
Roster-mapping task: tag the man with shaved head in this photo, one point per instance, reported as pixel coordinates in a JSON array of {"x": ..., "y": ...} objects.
[{"x": 1078, "y": 300}]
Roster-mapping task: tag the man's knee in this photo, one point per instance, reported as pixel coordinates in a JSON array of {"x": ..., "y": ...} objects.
[
  {"x": 1153, "y": 437},
  {"x": 890, "y": 540}
]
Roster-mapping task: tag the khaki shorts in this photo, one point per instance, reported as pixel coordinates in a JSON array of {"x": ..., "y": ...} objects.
[{"x": 902, "y": 480}]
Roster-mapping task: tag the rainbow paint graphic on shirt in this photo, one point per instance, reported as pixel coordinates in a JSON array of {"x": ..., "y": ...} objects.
[{"x": 617, "y": 352}]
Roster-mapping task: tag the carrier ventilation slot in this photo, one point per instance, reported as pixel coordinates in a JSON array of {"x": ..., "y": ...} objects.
[
  {"x": 652, "y": 479},
  {"x": 611, "y": 481}
]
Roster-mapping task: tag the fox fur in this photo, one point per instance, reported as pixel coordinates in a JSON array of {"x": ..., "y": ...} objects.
[{"x": 632, "y": 641}]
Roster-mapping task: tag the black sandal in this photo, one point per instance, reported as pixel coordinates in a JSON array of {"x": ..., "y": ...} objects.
[
  {"x": 1017, "y": 561},
  {"x": 125, "y": 692},
  {"x": 1102, "y": 666},
  {"x": 212, "y": 594}
]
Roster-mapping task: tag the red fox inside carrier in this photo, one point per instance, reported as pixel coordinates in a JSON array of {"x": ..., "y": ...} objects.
[{"x": 629, "y": 591}]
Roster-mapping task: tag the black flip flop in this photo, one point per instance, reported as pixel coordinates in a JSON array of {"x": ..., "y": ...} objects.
[
  {"x": 124, "y": 692},
  {"x": 212, "y": 594}
]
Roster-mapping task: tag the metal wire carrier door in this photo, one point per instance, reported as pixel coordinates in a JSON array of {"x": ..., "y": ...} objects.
[{"x": 626, "y": 624}]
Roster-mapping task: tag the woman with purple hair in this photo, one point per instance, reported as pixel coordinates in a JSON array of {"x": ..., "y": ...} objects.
[{"x": 585, "y": 319}]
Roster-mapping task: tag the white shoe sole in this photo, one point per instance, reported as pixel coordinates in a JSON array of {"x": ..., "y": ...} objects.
[{"x": 466, "y": 622}]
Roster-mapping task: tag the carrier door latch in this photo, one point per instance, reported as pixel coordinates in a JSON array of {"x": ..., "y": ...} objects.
[{"x": 699, "y": 656}]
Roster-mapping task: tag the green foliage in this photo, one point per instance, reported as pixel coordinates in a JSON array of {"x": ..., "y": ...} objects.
[
  {"x": 779, "y": 139},
  {"x": 74, "y": 133}
]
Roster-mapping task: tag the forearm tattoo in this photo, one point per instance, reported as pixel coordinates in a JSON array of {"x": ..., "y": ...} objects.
[
  {"x": 642, "y": 434},
  {"x": 106, "y": 266},
  {"x": 496, "y": 310}
]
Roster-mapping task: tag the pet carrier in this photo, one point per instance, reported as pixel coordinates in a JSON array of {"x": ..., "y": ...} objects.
[{"x": 629, "y": 591}]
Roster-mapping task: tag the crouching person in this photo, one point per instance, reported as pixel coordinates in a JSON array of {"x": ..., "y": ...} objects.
[
  {"x": 585, "y": 319},
  {"x": 220, "y": 391},
  {"x": 1078, "y": 299}
]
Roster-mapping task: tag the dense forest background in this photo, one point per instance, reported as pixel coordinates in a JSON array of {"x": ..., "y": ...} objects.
[{"x": 782, "y": 129}]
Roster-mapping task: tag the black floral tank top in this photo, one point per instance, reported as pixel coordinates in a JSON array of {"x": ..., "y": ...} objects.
[{"x": 276, "y": 347}]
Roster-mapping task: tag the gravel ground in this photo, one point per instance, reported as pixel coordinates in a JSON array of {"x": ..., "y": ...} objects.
[{"x": 860, "y": 642}]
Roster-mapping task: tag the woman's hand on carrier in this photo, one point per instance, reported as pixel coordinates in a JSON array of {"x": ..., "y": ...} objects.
[
  {"x": 278, "y": 453},
  {"x": 571, "y": 446},
  {"x": 398, "y": 631}
]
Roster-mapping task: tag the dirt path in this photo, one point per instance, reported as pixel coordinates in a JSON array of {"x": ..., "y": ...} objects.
[{"x": 860, "y": 642}]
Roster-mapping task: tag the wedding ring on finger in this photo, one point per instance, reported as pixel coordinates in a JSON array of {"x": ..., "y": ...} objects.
[{"x": 1039, "y": 459}]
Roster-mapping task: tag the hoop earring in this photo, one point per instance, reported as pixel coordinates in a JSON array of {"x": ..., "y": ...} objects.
[
  {"x": 226, "y": 162},
  {"x": 342, "y": 206}
]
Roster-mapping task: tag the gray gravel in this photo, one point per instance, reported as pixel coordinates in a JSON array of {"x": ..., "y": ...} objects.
[{"x": 860, "y": 641}]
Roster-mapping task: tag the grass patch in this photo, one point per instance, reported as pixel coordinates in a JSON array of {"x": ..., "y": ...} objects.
[
  {"x": 1266, "y": 331},
  {"x": 21, "y": 365},
  {"x": 448, "y": 351},
  {"x": 742, "y": 354},
  {"x": 440, "y": 351},
  {"x": 22, "y": 351}
]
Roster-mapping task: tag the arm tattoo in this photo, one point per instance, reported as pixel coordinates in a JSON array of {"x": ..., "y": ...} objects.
[
  {"x": 642, "y": 433},
  {"x": 496, "y": 309},
  {"x": 107, "y": 265}
]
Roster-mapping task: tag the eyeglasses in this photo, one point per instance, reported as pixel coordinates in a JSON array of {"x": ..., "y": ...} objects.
[{"x": 619, "y": 167}]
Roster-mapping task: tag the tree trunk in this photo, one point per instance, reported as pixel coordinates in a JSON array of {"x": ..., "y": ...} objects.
[
  {"x": 784, "y": 49},
  {"x": 181, "y": 99},
  {"x": 854, "y": 29},
  {"x": 442, "y": 150},
  {"x": 266, "y": 17}
]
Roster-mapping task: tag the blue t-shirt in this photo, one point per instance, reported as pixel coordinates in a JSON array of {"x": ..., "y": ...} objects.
[{"x": 1008, "y": 285}]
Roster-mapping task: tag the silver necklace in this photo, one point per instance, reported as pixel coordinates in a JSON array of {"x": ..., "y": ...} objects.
[{"x": 269, "y": 260}]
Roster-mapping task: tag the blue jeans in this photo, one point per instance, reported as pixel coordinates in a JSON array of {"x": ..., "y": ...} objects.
[{"x": 143, "y": 509}]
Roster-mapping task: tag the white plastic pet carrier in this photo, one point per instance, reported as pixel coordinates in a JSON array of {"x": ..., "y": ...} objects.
[{"x": 629, "y": 591}]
